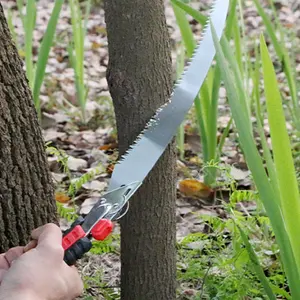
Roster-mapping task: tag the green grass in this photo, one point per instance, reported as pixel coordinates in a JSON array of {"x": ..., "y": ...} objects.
[
  {"x": 283, "y": 57},
  {"x": 218, "y": 265},
  {"x": 36, "y": 72},
  {"x": 76, "y": 51}
]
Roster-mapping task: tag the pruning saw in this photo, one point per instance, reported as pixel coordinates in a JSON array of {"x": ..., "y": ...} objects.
[{"x": 154, "y": 139}]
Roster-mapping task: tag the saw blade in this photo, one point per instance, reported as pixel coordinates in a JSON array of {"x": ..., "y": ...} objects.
[{"x": 141, "y": 157}]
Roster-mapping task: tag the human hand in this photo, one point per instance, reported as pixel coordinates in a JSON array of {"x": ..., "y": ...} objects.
[{"x": 38, "y": 271}]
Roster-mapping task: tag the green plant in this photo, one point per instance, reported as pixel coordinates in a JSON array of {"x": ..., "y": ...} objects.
[
  {"x": 67, "y": 213},
  {"x": 12, "y": 30},
  {"x": 76, "y": 51},
  {"x": 283, "y": 56},
  {"x": 107, "y": 292},
  {"x": 61, "y": 157},
  {"x": 110, "y": 245},
  {"x": 221, "y": 261},
  {"x": 36, "y": 72},
  {"x": 278, "y": 190},
  {"x": 77, "y": 183}
]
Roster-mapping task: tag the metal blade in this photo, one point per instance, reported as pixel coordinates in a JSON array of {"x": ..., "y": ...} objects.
[
  {"x": 151, "y": 143},
  {"x": 98, "y": 212},
  {"x": 109, "y": 205}
]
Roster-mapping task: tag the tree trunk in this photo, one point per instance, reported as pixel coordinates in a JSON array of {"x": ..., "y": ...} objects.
[
  {"x": 140, "y": 81},
  {"x": 26, "y": 193}
]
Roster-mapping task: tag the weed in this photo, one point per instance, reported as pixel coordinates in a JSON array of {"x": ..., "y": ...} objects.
[
  {"x": 36, "y": 72},
  {"x": 76, "y": 51}
]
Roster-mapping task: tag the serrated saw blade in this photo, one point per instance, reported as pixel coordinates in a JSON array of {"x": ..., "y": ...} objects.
[{"x": 151, "y": 143}]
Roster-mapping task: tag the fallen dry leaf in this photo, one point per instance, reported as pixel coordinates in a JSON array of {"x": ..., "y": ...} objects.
[
  {"x": 194, "y": 188},
  {"x": 96, "y": 45},
  {"x": 61, "y": 197},
  {"x": 95, "y": 185},
  {"x": 52, "y": 134},
  {"x": 110, "y": 146},
  {"x": 58, "y": 177},
  {"x": 196, "y": 160},
  {"x": 110, "y": 168}
]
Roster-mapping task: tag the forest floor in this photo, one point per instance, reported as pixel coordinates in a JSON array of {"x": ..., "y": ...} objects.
[{"x": 94, "y": 145}]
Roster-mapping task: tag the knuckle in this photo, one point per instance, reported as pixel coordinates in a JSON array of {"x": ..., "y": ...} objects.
[
  {"x": 58, "y": 250},
  {"x": 51, "y": 227},
  {"x": 12, "y": 251},
  {"x": 56, "y": 253}
]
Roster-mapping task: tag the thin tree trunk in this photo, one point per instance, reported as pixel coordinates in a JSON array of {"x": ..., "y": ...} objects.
[
  {"x": 139, "y": 78},
  {"x": 26, "y": 193}
]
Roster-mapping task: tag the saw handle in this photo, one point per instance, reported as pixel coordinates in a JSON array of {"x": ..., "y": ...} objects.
[
  {"x": 77, "y": 251},
  {"x": 76, "y": 243}
]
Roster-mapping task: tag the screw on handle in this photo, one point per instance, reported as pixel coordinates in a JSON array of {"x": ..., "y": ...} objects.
[{"x": 77, "y": 250}]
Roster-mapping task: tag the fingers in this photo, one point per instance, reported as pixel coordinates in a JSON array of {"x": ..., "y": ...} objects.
[
  {"x": 32, "y": 244},
  {"x": 3, "y": 262},
  {"x": 49, "y": 240},
  {"x": 13, "y": 253},
  {"x": 47, "y": 234}
]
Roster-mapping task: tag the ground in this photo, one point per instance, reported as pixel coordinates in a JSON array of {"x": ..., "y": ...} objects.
[{"x": 93, "y": 146}]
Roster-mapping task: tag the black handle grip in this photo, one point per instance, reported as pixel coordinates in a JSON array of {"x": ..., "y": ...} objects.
[{"x": 77, "y": 250}]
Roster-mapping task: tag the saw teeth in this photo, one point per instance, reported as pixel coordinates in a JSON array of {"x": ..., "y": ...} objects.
[{"x": 151, "y": 123}]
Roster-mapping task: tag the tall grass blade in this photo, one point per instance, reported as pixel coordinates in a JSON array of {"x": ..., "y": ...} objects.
[
  {"x": 284, "y": 59},
  {"x": 238, "y": 44},
  {"x": 230, "y": 21},
  {"x": 76, "y": 51},
  {"x": 29, "y": 27},
  {"x": 259, "y": 119},
  {"x": 223, "y": 137},
  {"x": 44, "y": 51},
  {"x": 20, "y": 5},
  {"x": 12, "y": 28},
  {"x": 284, "y": 164},
  {"x": 185, "y": 29},
  {"x": 192, "y": 12},
  {"x": 213, "y": 114},
  {"x": 243, "y": 97}
]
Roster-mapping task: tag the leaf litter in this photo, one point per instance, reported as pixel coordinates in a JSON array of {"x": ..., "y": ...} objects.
[{"x": 90, "y": 145}]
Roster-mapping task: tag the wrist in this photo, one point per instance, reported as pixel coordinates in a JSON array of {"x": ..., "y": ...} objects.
[{"x": 21, "y": 294}]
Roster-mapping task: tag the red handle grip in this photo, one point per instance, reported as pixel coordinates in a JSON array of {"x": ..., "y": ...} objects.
[{"x": 72, "y": 237}]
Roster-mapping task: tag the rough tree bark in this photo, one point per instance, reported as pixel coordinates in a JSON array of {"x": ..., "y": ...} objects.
[
  {"x": 26, "y": 193},
  {"x": 139, "y": 78}
]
